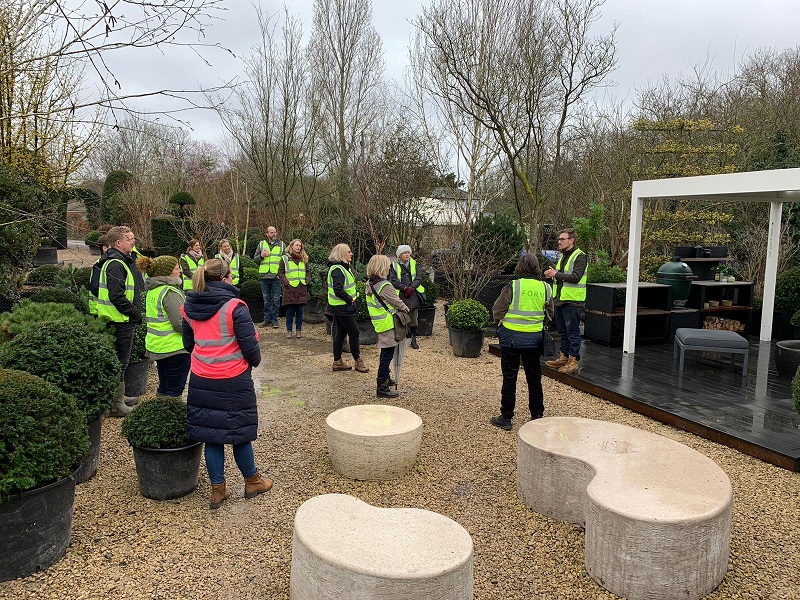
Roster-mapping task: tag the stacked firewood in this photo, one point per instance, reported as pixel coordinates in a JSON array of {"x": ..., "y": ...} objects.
[{"x": 723, "y": 324}]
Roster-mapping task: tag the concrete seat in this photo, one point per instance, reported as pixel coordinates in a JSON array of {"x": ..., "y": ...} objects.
[
  {"x": 345, "y": 548},
  {"x": 373, "y": 441},
  {"x": 657, "y": 514},
  {"x": 710, "y": 340}
]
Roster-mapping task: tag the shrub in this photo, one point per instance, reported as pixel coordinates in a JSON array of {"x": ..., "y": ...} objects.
[
  {"x": 77, "y": 361},
  {"x": 74, "y": 278},
  {"x": 498, "y": 240},
  {"x": 318, "y": 288},
  {"x": 468, "y": 315},
  {"x": 29, "y": 315},
  {"x": 796, "y": 390},
  {"x": 317, "y": 253},
  {"x": 245, "y": 262},
  {"x": 138, "y": 350},
  {"x": 44, "y": 434},
  {"x": 361, "y": 302},
  {"x": 787, "y": 291},
  {"x": 157, "y": 423},
  {"x": 251, "y": 290},
  {"x": 649, "y": 266},
  {"x": 602, "y": 271},
  {"x": 61, "y": 296},
  {"x": 44, "y": 275},
  {"x": 166, "y": 239},
  {"x": 111, "y": 209},
  {"x": 181, "y": 201},
  {"x": 248, "y": 274},
  {"x": 91, "y": 238},
  {"x": 431, "y": 292},
  {"x": 254, "y": 236}
]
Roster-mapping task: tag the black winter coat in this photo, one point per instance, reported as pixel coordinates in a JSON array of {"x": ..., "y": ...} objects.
[
  {"x": 222, "y": 411},
  {"x": 115, "y": 281},
  {"x": 350, "y": 309}
]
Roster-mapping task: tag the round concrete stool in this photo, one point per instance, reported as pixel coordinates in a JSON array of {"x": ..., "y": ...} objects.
[
  {"x": 373, "y": 441},
  {"x": 345, "y": 548}
]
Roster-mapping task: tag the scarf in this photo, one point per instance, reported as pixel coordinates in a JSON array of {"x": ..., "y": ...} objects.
[
  {"x": 196, "y": 255},
  {"x": 228, "y": 257}
]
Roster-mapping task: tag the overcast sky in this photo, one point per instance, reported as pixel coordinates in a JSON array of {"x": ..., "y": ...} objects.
[{"x": 654, "y": 37}]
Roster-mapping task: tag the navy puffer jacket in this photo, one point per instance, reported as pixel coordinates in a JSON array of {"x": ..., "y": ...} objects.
[{"x": 222, "y": 411}]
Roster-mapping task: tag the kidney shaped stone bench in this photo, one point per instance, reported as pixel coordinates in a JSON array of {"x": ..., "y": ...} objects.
[
  {"x": 373, "y": 441},
  {"x": 657, "y": 514},
  {"x": 345, "y": 548}
]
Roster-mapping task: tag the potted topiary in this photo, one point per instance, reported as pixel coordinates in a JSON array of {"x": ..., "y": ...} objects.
[
  {"x": 254, "y": 298},
  {"x": 787, "y": 302},
  {"x": 139, "y": 366},
  {"x": 44, "y": 438},
  {"x": 466, "y": 322},
  {"x": 427, "y": 309},
  {"x": 314, "y": 311},
  {"x": 366, "y": 332},
  {"x": 167, "y": 462},
  {"x": 91, "y": 241},
  {"x": 79, "y": 362}
]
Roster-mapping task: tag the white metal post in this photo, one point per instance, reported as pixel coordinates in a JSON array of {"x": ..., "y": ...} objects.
[
  {"x": 632, "y": 291},
  {"x": 771, "y": 270}
]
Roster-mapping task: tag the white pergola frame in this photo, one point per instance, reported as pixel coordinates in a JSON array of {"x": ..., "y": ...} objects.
[{"x": 775, "y": 187}]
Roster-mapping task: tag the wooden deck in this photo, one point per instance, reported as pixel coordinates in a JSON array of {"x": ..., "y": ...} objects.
[{"x": 751, "y": 413}]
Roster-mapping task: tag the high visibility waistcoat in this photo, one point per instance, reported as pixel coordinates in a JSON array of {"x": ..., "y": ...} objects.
[
  {"x": 295, "y": 272},
  {"x": 349, "y": 286},
  {"x": 104, "y": 306},
  {"x": 216, "y": 353},
  {"x": 571, "y": 292},
  {"x": 92, "y": 297},
  {"x": 381, "y": 318},
  {"x": 269, "y": 264},
  {"x": 412, "y": 265},
  {"x": 234, "y": 265},
  {"x": 526, "y": 311},
  {"x": 187, "y": 282},
  {"x": 161, "y": 337}
]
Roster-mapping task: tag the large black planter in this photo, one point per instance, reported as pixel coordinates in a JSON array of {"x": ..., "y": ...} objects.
[
  {"x": 256, "y": 306},
  {"x": 88, "y": 468},
  {"x": 425, "y": 319},
  {"x": 466, "y": 343},
  {"x": 787, "y": 357},
  {"x": 169, "y": 473},
  {"x": 45, "y": 256},
  {"x": 366, "y": 333},
  {"x": 314, "y": 311},
  {"x": 782, "y": 329},
  {"x": 94, "y": 250},
  {"x": 35, "y": 529},
  {"x": 136, "y": 378}
]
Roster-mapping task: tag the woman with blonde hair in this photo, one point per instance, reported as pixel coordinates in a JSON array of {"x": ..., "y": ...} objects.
[
  {"x": 227, "y": 253},
  {"x": 383, "y": 301},
  {"x": 222, "y": 338},
  {"x": 295, "y": 276},
  {"x": 190, "y": 261},
  {"x": 342, "y": 307}
]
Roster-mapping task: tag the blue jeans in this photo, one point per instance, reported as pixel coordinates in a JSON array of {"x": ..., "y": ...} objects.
[
  {"x": 568, "y": 323},
  {"x": 215, "y": 461},
  {"x": 172, "y": 373},
  {"x": 294, "y": 312},
  {"x": 387, "y": 354},
  {"x": 271, "y": 291}
]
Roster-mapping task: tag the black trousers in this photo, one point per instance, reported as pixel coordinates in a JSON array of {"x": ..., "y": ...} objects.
[
  {"x": 510, "y": 359},
  {"x": 123, "y": 343},
  {"x": 345, "y": 327}
]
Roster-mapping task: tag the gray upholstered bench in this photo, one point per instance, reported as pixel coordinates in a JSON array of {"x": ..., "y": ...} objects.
[{"x": 711, "y": 340}]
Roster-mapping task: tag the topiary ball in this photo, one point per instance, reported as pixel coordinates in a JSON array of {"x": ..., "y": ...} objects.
[
  {"x": 157, "y": 423},
  {"x": 787, "y": 291},
  {"x": 468, "y": 315},
  {"x": 74, "y": 359},
  {"x": 251, "y": 290},
  {"x": 44, "y": 433}
]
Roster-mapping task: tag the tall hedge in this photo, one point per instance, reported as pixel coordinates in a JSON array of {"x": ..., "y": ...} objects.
[
  {"x": 111, "y": 208},
  {"x": 166, "y": 239}
]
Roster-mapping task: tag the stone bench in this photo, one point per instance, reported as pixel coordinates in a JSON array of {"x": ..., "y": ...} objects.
[
  {"x": 710, "y": 340},
  {"x": 373, "y": 441},
  {"x": 345, "y": 548},
  {"x": 657, "y": 514}
]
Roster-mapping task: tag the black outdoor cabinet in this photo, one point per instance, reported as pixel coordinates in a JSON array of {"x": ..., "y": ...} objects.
[
  {"x": 740, "y": 293},
  {"x": 605, "y": 312}
]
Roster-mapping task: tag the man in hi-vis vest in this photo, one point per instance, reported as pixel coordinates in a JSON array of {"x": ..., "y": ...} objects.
[
  {"x": 570, "y": 284},
  {"x": 268, "y": 257}
]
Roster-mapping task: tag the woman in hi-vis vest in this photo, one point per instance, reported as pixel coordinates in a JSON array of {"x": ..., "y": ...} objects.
[
  {"x": 222, "y": 338},
  {"x": 295, "y": 276},
  {"x": 520, "y": 310}
]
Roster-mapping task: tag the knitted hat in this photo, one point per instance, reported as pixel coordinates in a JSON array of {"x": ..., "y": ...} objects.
[
  {"x": 403, "y": 248},
  {"x": 162, "y": 266}
]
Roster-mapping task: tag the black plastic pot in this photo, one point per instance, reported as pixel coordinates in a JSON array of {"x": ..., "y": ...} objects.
[
  {"x": 94, "y": 250},
  {"x": 467, "y": 344},
  {"x": 366, "y": 333},
  {"x": 787, "y": 357},
  {"x": 256, "y": 306},
  {"x": 314, "y": 311},
  {"x": 88, "y": 468},
  {"x": 169, "y": 473},
  {"x": 45, "y": 256},
  {"x": 35, "y": 529},
  {"x": 425, "y": 319},
  {"x": 136, "y": 378}
]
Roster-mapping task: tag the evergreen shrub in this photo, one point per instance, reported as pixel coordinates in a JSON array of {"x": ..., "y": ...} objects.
[
  {"x": 27, "y": 315},
  {"x": 467, "y": 315},
  {"x": 787, "y": 291},
  {"x": 157, "y": 423}
]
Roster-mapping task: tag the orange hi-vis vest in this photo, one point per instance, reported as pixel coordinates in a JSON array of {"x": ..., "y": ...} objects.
[{"x": 216, "y": 353}]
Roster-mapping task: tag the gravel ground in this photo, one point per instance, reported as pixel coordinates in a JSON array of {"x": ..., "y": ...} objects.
[{"x": 126, "y": 546}]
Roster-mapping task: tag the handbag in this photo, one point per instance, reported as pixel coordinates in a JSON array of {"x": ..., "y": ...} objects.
[{"x": 400, "y": 320}]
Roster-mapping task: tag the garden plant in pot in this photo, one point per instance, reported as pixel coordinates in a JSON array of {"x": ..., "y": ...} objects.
[
  {"x": 44, "y": 438},
  {"x": 427, "y": 309},
  {"x": 79, "y": 362},
  {"x": 167, "y": 462},
  {"x": 366, "y": 332},
  {"x": 787, "y": 352},
  {"x": 466, "y": 322},
  {"x": 787, "y": 303},
  {"x": 139, "y": 366},
  {"x": 251, "y": 294}
]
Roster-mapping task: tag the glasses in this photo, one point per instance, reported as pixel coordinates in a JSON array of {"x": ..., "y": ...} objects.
[
  {"x": 563, "y": 239},
  {"x": 131, "y": 239}
]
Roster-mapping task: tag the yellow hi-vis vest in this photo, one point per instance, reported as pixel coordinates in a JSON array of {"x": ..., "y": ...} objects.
[
  {"x": 412, "y": 265},
  {"x": 526, "y": 311},
  {"x": 234, "y": 265},
  {"x": 104, "y": 306},
  {"x": 187, "y": 282},
  {"x": 349, "y": 286},
  {"x": 381, "y": 318},
  {"x": 571, "y": 292},
  {"x": 161, "y": 337},
  {"x": 269, "y": 264},
  {"x": 295, "y": 272}
]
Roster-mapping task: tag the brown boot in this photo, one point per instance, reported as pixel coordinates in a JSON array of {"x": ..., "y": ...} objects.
[
  {"x": 219, "y": 493},
  {"x": 340, "y": 365},
  {"x": 571, "y": 367},
  {"x": 255, "y": 485},
  {"x": 562, "y": 360},
  {"x": 360, "y": 366}
]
